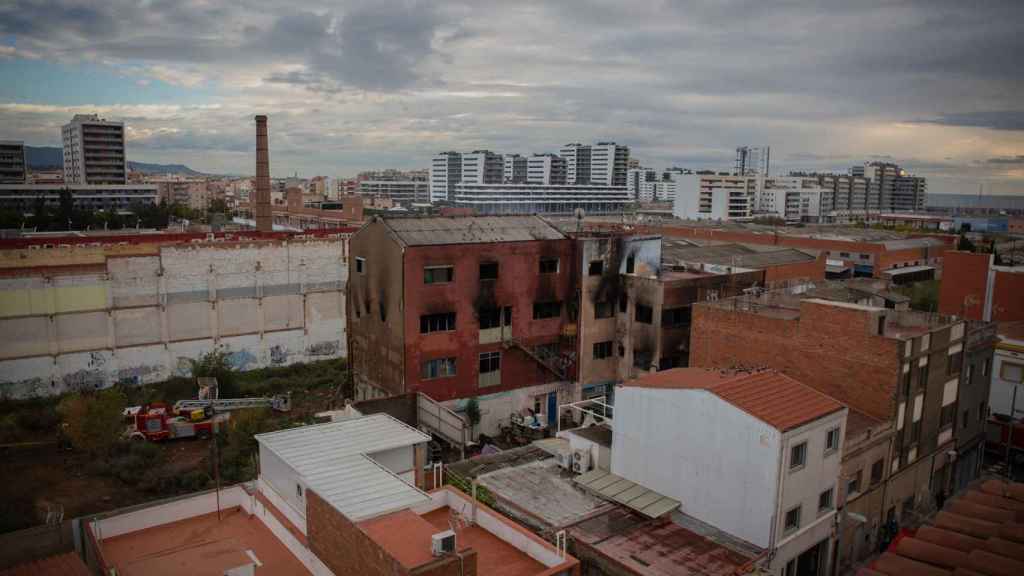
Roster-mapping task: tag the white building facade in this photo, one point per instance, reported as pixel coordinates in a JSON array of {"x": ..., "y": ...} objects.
[
  {"x": 515, "y": 169},
  {"x": 445, "y": 173},
  {"x": 715, "y": 197},
  {"x": 546, "y": 169},
  {"x": 539, "y": 198},
  {"x": 94, "y": 151},
  {"x": 482, "y": 167}
]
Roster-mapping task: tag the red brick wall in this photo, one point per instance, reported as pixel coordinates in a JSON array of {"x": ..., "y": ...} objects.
[
  {"x": 830, "y": 348},
  {"x": 810, "y": 270},
  {"x": 342, "y": 546},
  {"x": 964, "y": 276},
  {"x": 518, "y": 285},
  {"x": 1008, "y": 296}
]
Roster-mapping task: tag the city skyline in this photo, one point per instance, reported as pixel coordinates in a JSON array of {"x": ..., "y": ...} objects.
[{"x": 931, "y": 86}]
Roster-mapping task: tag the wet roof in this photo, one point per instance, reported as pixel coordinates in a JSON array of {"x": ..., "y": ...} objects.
[
  {"x": 768, "y": 395},
  {"x": 67, "y": 564},
  {"x": 438, "y": 230},
  {"x": 732, "y": 254},
  {"x": 335, "y": 459},
  {"x": 908, "y": 243}
]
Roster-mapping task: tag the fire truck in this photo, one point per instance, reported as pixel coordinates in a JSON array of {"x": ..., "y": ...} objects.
[{"x": 191, "y": 418}]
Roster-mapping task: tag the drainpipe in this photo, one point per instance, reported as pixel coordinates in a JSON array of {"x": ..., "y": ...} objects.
[{"x": 778, "y": 502}]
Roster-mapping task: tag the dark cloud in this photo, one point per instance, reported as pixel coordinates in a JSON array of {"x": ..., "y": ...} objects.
[{"x": 994, "y": 119}]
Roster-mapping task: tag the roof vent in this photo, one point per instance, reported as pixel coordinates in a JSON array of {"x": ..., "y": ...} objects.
[{"x": 443, "y": 543}]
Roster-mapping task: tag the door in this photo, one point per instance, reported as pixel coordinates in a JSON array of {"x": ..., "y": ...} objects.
[{"x": 553, "y": 410}]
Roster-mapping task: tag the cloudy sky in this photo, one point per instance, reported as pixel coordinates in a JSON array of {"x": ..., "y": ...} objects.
[{"x": 934, "y": 84}]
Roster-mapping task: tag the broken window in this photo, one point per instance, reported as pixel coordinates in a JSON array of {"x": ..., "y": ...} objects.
[
  {"x": 644, "y": 314},
  {"x": 488, "y": 270},
  {"x": 602, "y": 350},
  {"x": 603, "y": 310},
  {"x": 437, "y": 322},
  {"x": 360, "y": 265},
  {"x": 495, "y": 317},
  {"x": 542, "y": 310},
  {"x": 675, "y": 316},
  {"x": 596, "y": 268},
  {"x": 548, "y": 265},
  {"x": 630, "y": 264},
  {"x": 438, "y": 274}
]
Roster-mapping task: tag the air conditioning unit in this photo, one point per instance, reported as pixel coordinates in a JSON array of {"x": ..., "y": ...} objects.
[
  {"x": 442, "y": 543},
  {"x": 565, "y": 459},
  {"x": 580, "y": 461}
]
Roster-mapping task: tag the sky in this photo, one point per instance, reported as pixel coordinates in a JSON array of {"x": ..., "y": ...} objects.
[{"x": 935, "y": 85}]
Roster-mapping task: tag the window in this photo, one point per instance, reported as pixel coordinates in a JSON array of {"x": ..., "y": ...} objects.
[
  {"x": 844, "y": 254},
  {"x": 981, "y": 412},
  {"x": 797, "y": 455},
  {"x": 956, "y": 362},
  {"x": 603, "y": 310},
  {"x": 947, "y": 416},
  {"x": 542, "y": 310},
  {"x": 641, "y": 359},
  {"x": 596, "y": 268},
  {"x": 969, "y": 375},
  {"x": 906, "y": 384},
  {"x": 865, "y": 256},
  {"x": 630, "y": 264},
  {"x": 922, "y": 376},
  {"x": 488, "y": 270},
  {"x": 793, "y": 519},
  {"x": 853, "y": 484},
  {"x": 832, "y": 440},
  {"x": 1011, "y": 372},
  {"x": 675, "y": 316},
  {"x": 438, "y": 274},
  {"x": 437, "y": 322},
  {"x": 438, "y": 368},
  {"x": 623, "y": 303},
  {"x": 790, "y": 568},
  {"x": 966, "y": 419},
  {"x": 915, "y": 432},
  {"x": 492, "y": 317},
  {"x": 298, "y": 490},
  {"x": 490, "y": 362},
  {"x": 825, "y": 500},
  {"x": 602, "y": 350},
  {"x": 549, "y": 265},
  {"x": 876, "y": 471},
  {"x": 644, "y": 314},
  {"x": 984, "y": 367},
  {"x": 360, "y": 265}
]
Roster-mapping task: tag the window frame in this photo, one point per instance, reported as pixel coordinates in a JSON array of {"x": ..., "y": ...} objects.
[
  {"x": 449, "y": 362},
  {"x": 880, "y": 463},
  {"x": 854, "y": 481},
  {"x": 426, "y": 319},
  {"x": 542, "y": 310},
  {"x": 1002, "y": 371},
  {"x": 600, "y": 346},
  {"x": 786, "y": 526},
  {"x": 545, "y": 263},
  {"x": 480, "y": 271},
  {"x": 646, "y": 311},
  {"x": 831, "y": 501},
  {"x": 492, "y": 360},
  {"x": 828, "y": 439},
  {"x": 428, "y": 274},
  {"x": 599, "y": 264},
  {"x": 360, "y": 265},
  {"x": 802, "y": 446}
]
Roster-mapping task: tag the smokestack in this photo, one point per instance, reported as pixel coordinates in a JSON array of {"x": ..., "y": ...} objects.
[{"x": 261, "y": 207}]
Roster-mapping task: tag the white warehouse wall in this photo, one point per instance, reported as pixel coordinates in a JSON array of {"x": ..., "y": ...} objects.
[{"x": 718, "y": 461}]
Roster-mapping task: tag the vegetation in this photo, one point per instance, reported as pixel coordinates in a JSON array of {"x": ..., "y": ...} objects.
[
  {"x": 216, "y": 364},
  {"x": 473, "y": 413},
  {"x": 964, "y": 243},
  {"x": 923, "y": 295},
  {"x": 93, "y": 422}
]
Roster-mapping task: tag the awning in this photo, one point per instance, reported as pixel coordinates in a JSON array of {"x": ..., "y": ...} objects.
[
  {"x": 628, "y": 493},
  {"x": 907, "y": 270}
]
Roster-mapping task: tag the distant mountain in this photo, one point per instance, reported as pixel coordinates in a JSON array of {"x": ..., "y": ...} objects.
[{"x": 52, "y": 158}]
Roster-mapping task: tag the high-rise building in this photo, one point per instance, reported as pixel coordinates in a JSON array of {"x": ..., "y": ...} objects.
[
  {"x": 13, "y": 166},
  {"x": 403, "y": 187},
  {"x": 753, "y": 160},
  {"x": 515, "y": 169},
  {"x": 482, "y": 167},
  {"x": 577, "y": 163},
  {"x": 545, "y": 169},
  {"x": 445, "y": 173},
  {"x": 642, "y": 183},
  {"x": 94, "y": 151},
  {"x": 601, "y": 164},
  {"x": 892, "y": 188}
]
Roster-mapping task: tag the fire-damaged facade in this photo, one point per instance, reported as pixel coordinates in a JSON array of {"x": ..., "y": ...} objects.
[{"x": 457, "y": 307}]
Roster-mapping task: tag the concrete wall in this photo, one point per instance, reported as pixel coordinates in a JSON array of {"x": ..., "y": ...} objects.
[
  {"x": 727, "y": 479},
  {"x": 135, "y": 319},
  {"x": 280, "y": 481}
]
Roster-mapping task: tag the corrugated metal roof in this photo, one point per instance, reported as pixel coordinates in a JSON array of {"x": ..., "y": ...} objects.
[
  {"x": 437, "y": 230},
  {"x": 911, "y": 243},
  {"x": 769, "y": 396},
  {"x": 907, "y": 270},
  {"x": 733, "y": 255},
  {"x": 626, "y": 492},
  {"x": 335, "y": 459}
]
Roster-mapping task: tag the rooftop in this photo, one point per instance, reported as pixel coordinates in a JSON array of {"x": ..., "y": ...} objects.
[
  {"x": 67, "y": 564},
  {"x": 439, "y": 230},
  {"x": 201, "y": 546},
  {"x": 678, "y": 251},
  {"x": 769, "y": 396},
  {"x": 662, "y": 547},
  {"x": 336, "y": 461}
]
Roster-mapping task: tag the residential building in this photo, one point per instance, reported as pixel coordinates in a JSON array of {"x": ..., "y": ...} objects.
[
  {"x": 753, "y": 161},
  {"x": 458, "y": 307},
  {"x": 541, "y": 199},
  {"x": 364, "y": 511},
  {"x": 445, "y": 173},
  {"x": 908, "y": 368},
  {"x": 546, "y": 169},
  {"x": 482, "y": 167},
  {"x": 715, "y": 197},
  {"x": 792, "y": 198},
  {"x": 981, "y": 345},
  {"x": 604, "y": 163},
  {"x": 845, "y": 194},
  {"x": 577, "y": 163},
  {"x": 892, "y": 188},
  {"x": 404, "y": 187},
  {"x": 975, "y": 288},
  {"x": 13, "y": 165},
  {"x": 94, "y": 151},
  {"x": 23, "y": 197},
  {"x": 756, "y": 454},
  {"x": 642, "y": 183},
  {"x": 515, "y": 169},
  {"x": 1006, "y": 372}
]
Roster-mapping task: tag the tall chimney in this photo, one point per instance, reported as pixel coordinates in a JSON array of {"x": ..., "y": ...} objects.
[{"x": 261, "y": 208}]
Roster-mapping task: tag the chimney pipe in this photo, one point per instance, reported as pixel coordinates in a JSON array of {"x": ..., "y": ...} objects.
[{"x": 261, "y": 207}]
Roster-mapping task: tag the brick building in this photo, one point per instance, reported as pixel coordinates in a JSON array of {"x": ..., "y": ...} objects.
[
  {"x": 980, "y": 290},
  {"x": 896, "y": 367},
  {"x": 460, "y": 306}
]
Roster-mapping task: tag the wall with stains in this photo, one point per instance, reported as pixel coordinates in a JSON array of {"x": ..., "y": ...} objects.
[{"x": 137, "y": 318}]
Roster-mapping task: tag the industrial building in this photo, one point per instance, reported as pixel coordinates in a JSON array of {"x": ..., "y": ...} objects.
[
  {"x": 24, "y": 197},
  {"x": 498, "y": 199}
]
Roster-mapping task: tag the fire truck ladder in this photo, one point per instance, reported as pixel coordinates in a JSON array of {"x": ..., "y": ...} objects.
[{"x": 281, "y": 403}]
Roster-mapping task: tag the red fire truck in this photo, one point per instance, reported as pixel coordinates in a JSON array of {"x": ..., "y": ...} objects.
[{"x": 188, "y": 418}]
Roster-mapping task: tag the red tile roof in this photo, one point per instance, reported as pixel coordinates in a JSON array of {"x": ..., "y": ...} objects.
[
  {"x": 67, "y": 564},
  {"x": 767, "y": 395}
]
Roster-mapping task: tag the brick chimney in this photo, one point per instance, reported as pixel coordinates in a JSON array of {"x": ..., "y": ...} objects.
[{"x": 261, "y": 207}]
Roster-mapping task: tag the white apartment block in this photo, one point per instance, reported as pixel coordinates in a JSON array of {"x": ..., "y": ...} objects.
[
  {"x": 445, "y": 173},
  {"x": 515, "y": 168},
  {"x": 482, "y": 167},
  {"x": 541, "y": 198},
  {"x": 715, "y": 197},
  {"x": 545, "y": 169},
  {"x": 793, "y": 198},
  {"x": 646, "y": 185},
  {"x": 756, "y": 455},
  {"x": 604, "y": 163},
  {"x": 94, "y": 151},
  {"x": 753, "y": 160}
]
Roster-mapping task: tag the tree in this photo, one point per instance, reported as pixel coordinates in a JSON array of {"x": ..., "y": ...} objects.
[
  {"x": 473, "y": 413},
  {"x": 964, "y": 243},
  {"x": 216, "y": 364},
  {"x": 93, "y": 421}
]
